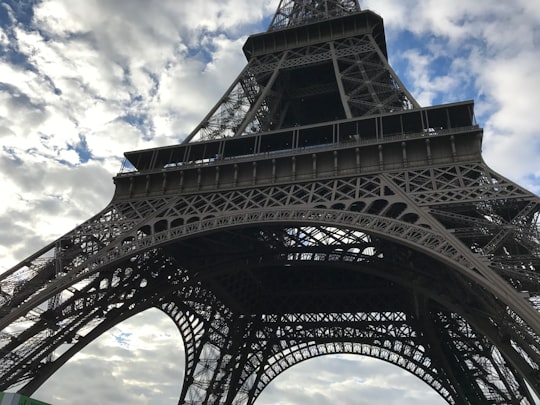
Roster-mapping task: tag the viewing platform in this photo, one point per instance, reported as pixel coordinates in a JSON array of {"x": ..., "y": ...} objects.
[{"x": 411, "y": 138}]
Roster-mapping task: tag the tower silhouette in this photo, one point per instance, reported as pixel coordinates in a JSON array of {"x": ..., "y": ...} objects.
[{"x": 316, "y": 209}]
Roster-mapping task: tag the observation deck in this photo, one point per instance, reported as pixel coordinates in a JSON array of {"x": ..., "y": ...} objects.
[{"x": 410, "y": 138}]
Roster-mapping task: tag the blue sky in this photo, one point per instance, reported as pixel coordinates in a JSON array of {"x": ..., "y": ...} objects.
[{"x": 82, "y": 82}]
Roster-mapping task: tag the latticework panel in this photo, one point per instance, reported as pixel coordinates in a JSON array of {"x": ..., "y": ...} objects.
[
  {"x": 276, "y": 87},
  {"x": 106, "y": 296},
  {"x": 384, "y": 205},
  {"x": 86, "y": 310},
  {"x": 296, "y": 12},
  {"x": 424, "y": 258}
]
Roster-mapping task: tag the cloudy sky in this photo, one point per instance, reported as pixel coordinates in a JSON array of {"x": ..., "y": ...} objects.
[{"x": 83, "y": 81}]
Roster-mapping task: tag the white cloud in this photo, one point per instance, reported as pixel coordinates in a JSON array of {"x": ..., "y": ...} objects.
[
  {"x": 4, "y": 40},
  {"x": 137, "y": 362},
  {"x": 432, "y": 88},
  {"x": 340, "y": 379},
  {"x": 492, "y": 49},
  {"x": 107, "y": 77},
  {"x": 46, "y": 200}
]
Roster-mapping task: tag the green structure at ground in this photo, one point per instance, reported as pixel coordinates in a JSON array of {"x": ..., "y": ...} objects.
[{"x": 9, "y": 398}]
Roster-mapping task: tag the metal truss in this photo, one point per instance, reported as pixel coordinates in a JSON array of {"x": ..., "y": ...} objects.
[
  {"x": 277, "y": 341},
  {"x": 291, "y": 13},
  {"x": 266, "y": 95},
  {"x": 406, "y": 248},
  {"x": 375, "y": 203}
]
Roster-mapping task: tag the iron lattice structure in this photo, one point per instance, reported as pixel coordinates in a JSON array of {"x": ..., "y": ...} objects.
[{"x": 317, "y": 209}]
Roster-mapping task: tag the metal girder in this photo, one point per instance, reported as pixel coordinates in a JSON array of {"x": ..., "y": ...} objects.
[
  {"x": 267, "y": 94},
  {"x": 370, "y": 196},
  {"x": 298, "y": 12},
  {"x": 392, "y": 239}
]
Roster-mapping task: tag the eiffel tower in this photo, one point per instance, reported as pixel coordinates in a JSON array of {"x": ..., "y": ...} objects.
[{"x": 317, "y": 209}]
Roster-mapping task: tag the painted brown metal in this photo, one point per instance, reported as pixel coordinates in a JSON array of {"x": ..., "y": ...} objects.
[{"x": 316, "y": 210}]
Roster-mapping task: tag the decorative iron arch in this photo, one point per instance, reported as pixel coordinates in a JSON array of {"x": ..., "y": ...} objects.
[
  {"x": 191, "y": 331},
  {"x": 450, "y": 303},
  {"x": 126, "y": 247},
  {"x": 378, "y": 352},
  {"x": 425, "y": 240}
]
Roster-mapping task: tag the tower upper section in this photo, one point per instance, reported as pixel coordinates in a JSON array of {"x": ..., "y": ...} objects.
[
  {"x": 291, "y": 13},
  {"x": 320, "y": 61}
]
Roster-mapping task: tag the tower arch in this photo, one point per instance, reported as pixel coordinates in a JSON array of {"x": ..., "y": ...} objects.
[{"x": 315, "y": 204}]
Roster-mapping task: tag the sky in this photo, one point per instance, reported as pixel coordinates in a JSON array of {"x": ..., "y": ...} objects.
[{"x": 81, "y": 82}]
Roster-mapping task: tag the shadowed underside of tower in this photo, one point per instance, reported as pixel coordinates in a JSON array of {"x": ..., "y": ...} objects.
[{"x": 316, "y": 209}]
